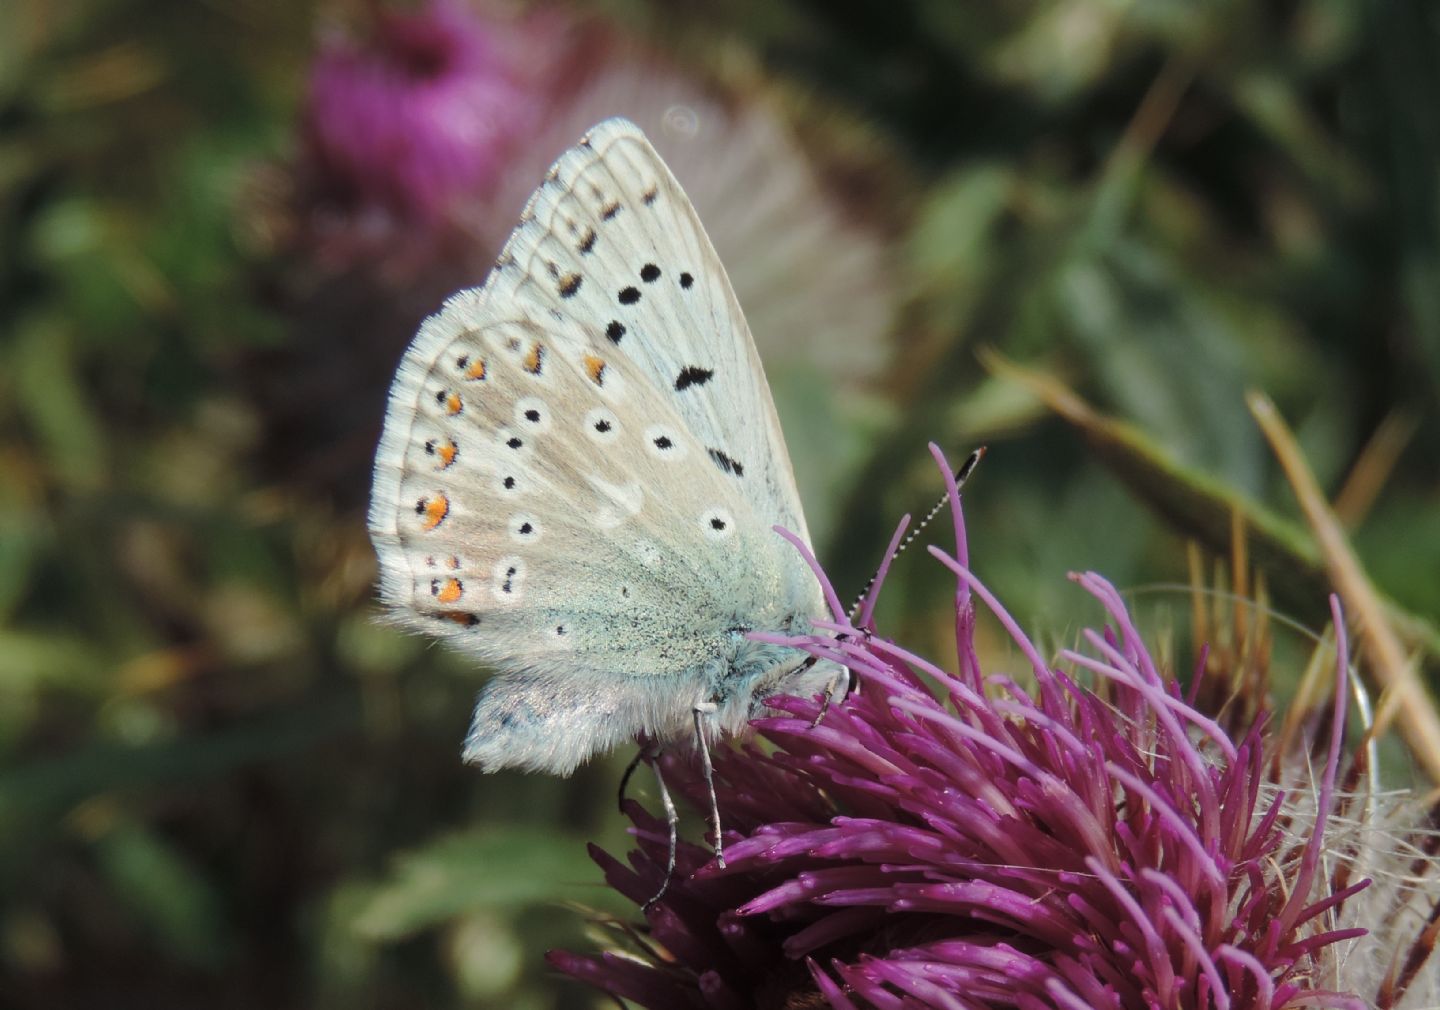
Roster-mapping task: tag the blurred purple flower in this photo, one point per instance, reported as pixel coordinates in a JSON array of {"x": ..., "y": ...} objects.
[
  {"x": 422, "y": 113},
  {"x": 1094, "y": 841}
]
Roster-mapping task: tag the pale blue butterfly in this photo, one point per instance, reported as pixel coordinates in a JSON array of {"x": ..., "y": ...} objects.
[{"x": 580, "y": 473}]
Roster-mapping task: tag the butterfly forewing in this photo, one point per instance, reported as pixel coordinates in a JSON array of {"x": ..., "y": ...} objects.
[{"x": 611, "y": 239}]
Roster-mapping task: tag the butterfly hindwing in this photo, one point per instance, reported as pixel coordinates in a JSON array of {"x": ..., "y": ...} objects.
[{"x": 513, "y": 445}]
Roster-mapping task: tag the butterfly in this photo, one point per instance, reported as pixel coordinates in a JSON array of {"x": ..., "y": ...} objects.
[{"x": 579, "y": 475}]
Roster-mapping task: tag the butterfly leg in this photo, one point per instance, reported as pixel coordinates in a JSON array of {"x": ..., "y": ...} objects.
[
  {"x": 649, "y": 750},
  {"x": 703, "y": 711},
  {"x": 672, "y": 821},
  {"x": 828, "y": 697}
]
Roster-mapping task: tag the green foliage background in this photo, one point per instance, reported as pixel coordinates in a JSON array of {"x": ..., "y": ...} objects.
[{"x": 222, "y": 785}]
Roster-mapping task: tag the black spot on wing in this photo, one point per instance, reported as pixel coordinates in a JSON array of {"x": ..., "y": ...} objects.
[
  {"x": 569, "y": 284},
  {"x": 615, "y": 331},
  {"x": 725, "y": 463},
  {"x": 686, "y": 280},
  {"x": 629, "y": 296},
  {"x": 692, "y": 375},
  {"x": 649, "y": 273}
]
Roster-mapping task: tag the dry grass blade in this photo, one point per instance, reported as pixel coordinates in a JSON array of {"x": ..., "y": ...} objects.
[{"x": 1405, "y": 700}]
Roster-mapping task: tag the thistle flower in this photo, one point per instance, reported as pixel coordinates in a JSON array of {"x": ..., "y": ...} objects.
[
  {"x": 958, "y": 840},
  {"x": 422, "y": 113}
]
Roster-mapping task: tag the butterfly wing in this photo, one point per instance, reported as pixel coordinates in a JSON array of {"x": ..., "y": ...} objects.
[
  {"x": 544, "y": 501},
  {"x": 611, "y": 239}
]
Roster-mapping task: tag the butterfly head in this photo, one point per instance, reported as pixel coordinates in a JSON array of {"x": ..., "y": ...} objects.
[{"x": 763, "y": 672}]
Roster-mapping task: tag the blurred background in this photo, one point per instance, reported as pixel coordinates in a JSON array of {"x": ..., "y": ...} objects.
[{"x": 222, "y": 784}]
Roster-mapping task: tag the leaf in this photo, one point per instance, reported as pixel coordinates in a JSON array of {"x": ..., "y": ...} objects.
[
  {"x": 166, "y": 891},
  {"x": 1204, "y": 508},
  {"x": 41, "y": 788},
  {"x": 48, "y": 389},
  {"x": 485, "y": 869}
]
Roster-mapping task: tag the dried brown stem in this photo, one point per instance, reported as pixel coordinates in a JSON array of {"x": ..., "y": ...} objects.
[{"x": 1404, "y": 697}]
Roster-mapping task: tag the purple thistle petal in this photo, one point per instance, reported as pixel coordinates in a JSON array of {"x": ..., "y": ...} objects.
[
  {"x": 798, "y": 542},
  {"x": 833, "y": 994},
  {"x": 866, "y": 616}
]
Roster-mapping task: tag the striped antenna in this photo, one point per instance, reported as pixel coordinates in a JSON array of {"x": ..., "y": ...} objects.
[{"x": 966, "y": 468}]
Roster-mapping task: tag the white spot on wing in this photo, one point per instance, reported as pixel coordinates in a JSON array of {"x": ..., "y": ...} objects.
[
  {"x": 626, "y": 500},
  {"x": 602, "y": 425},
  {"x": 664, "y": 442}
]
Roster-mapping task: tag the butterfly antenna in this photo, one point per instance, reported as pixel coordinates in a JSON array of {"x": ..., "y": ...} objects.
[{"x": 961, "y": 475}]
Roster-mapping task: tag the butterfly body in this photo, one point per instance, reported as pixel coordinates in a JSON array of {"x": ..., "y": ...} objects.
[{"x": 580, "y": 471}]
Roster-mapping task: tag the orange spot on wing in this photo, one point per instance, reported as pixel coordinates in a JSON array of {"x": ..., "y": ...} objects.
[
  {"x": 595, "y": 368},
  {"x": 534, "y": 359},
  {"x": 476, "y": 369},
  {"x": 435, "y": 511},
  {"x": 460, "y": 617},
  {"x": 446, "y": 453},
  {"x": 453, "y": 404},
  {"x": 448, "y": 591}
]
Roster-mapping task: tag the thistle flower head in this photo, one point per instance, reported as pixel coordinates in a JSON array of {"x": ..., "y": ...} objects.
[{"x": 960, "y": 840}]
